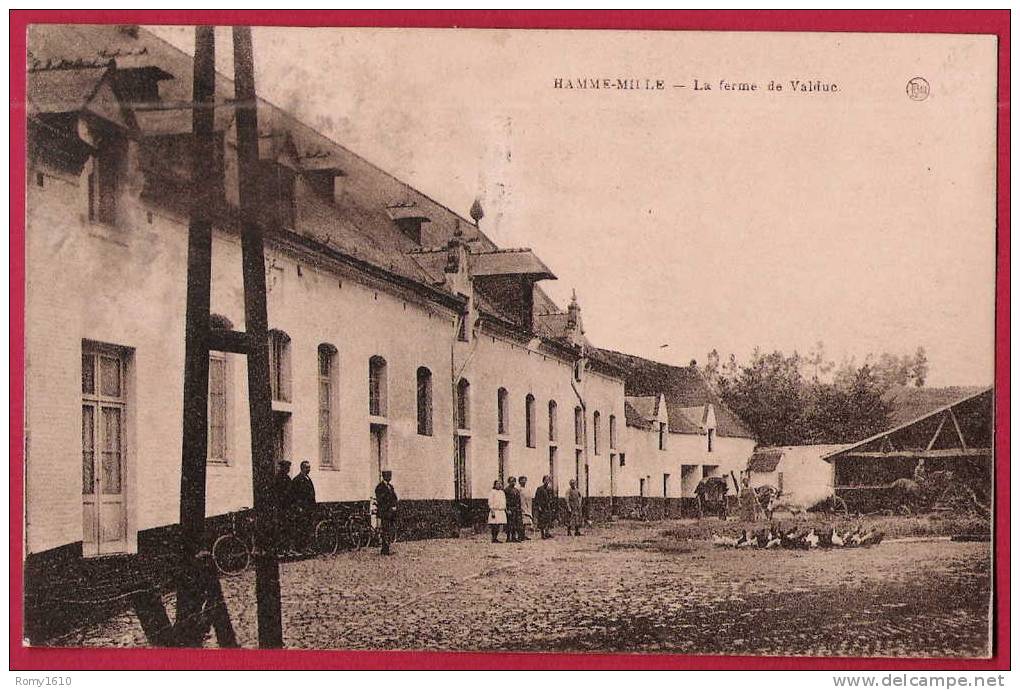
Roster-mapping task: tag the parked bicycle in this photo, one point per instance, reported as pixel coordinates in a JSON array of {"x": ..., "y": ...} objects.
[
  {"x": 232, "y": 551},
  {"x": 362, "y": 529}
]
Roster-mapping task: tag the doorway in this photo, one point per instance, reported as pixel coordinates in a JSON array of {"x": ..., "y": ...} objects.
[{"x": 103, "y": 414}]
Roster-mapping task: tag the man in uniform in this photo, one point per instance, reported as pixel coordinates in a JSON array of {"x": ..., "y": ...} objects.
[
  {"x": 302, "y": 496},
  {"x": 386, "y": 505}
]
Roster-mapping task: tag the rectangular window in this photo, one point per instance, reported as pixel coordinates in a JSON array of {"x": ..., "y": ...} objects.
[
  {"x": 326, "y": 368},
  {"x": 217, "y": 451},
  {"x": 424, "y": 402},
  {"x": 103, "y": 183},
  {"x": 377, "y": 386},
  {"x": 461, "y": 482},
  {"x": 529, "y": 421},
  {"x": 279, "y": 365},
  {"x": 711, "y": 437},
  {"x": 612, "y": 432},
  {"x": 662, "y": 436},
  {"x": 596, "y": 428},
  {"x": 578, "y": 426},
  {"x": 503, "y": 460}
]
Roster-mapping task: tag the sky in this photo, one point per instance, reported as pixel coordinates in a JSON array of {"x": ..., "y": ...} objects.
[{"x": 691, "y": 220}]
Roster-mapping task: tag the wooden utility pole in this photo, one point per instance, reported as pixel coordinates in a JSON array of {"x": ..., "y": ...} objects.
[
  {"x": 199, "y": 598},
  {"x": 267, "y": 569},
  {"x": 197, "y": 584}
]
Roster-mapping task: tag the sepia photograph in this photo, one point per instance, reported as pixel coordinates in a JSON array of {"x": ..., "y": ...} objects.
[{"x": 510, "y": 340}]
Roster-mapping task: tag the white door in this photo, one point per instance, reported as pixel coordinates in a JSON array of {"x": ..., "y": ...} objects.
[{"x": 104, "y": 509}]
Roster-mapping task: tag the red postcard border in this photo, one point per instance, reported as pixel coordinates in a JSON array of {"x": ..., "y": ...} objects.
[{"x": 886, "y": 21}]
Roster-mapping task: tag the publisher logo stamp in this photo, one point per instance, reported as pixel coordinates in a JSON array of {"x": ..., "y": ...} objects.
[{"x": 918, "y": 89}]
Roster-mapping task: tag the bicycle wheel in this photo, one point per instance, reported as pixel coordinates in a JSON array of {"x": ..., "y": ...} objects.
[
  {"x": 327, "y": 539},
  {"x": 359, "y": 531},
  {"x": 230, "y": 554}
]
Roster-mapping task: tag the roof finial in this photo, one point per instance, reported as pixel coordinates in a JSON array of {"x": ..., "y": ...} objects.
[{"x": 476, "y": 211}]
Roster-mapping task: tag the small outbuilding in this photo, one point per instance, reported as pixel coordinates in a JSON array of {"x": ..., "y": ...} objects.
[{"x": 800, "y": 473}]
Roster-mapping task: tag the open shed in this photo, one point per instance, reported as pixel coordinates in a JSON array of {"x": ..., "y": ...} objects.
[{"x": 955, "y": 440}]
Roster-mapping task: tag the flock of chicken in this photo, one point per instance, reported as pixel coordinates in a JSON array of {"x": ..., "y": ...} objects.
[{"x": 800, "y": 538}]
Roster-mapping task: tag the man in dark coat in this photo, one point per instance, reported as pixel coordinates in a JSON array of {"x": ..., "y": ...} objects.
[
  {"x": 302, "y": 497},
  {"x": 544, "y": 507},
  {"x": 386, "y": 505},
  {"x": 514, "y": 518},
  {"x": 281, "y": 495}
]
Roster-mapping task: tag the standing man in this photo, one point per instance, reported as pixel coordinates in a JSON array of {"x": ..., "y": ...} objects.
[
  {"x": 302, "y": 496},
  {"x": 527, "y": 520},
  {"x": 281, "y": 495},
  {"x": 513, "y": 510},
  {"x": 386, "y": 505},
  {"x": 573, "y": 509},
  {"x": 544, "y": 507}
]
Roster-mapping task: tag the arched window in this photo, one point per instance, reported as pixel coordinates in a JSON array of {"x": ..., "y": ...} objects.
[
  {"x": 552, "y": 421},
  {"x": 502, "y": 411},
  {"x": 578, "y": 426},
  {"x": 424, "y": 378},
  {"x": 279, "y": 365},
  {"x": 377, "y": 386},
  {"x": 529, "y": 420},
  {"x": 612, "y": 432},
  {"x": 327, "y": 395},
  {"x": 463, "y": 404},
  {"x": 596, "y": 428},
  {"x": 219, "y": 397}
]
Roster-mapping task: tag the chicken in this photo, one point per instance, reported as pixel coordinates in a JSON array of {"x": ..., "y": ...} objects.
[
  {"x": 837, "y": 540},
  {"x": 773, "y": 542},
  {"x": 746, "y": 541},
  {"x": 811, "y": 539}
]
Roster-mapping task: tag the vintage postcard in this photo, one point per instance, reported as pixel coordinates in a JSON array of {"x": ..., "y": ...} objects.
[{"x": 671, "y": 342}]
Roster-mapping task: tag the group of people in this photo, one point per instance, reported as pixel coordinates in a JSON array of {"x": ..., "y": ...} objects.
[
  {"x": 513, "y": 509},
  {"x": 295, "y": 508}
]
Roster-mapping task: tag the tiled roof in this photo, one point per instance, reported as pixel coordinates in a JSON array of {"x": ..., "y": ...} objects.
[
  {"x": 765, "y": 460},
  {"x": 644, "y": 406},
  {"x": 358, "y": 224},
  {"x": 683, "y": 387},
  {"x": 910, "y": 403}
]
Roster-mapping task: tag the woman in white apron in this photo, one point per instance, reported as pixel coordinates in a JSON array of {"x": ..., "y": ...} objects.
[{"x": 497, "y": 509}]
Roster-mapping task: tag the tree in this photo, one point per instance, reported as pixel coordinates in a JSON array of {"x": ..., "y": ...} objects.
[
  {"x": 786, "y": 400},
  {"x": 846, "y": 411},
  {"x": 768, "y": 396}
]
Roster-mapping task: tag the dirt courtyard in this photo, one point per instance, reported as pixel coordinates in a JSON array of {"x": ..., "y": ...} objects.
[{"x": 629, "y": 587}]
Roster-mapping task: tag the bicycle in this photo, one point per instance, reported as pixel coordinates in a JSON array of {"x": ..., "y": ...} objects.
[
  {"x": 363, "y": 530},
  {"x": 232, "y": 551}
]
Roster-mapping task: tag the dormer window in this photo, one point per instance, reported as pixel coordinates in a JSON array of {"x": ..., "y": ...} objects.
[
  {"x": 409, "y": 219},
  {"x": 322, "y": 182},
  {"x": 138, "y": 86},
  {"x": 102, "y": 177}
]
